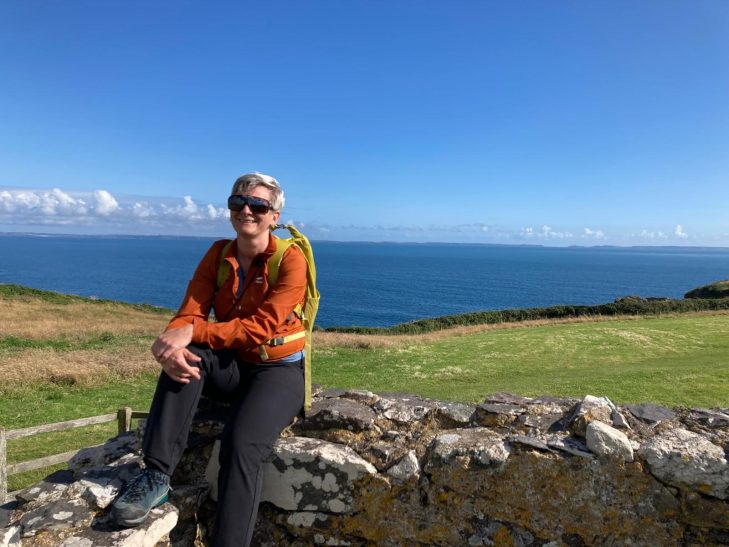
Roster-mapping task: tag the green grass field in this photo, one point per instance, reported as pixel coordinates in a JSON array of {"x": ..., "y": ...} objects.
[
  {"x": 680, "y": 360},
  {"x": 59, "y": 373}
]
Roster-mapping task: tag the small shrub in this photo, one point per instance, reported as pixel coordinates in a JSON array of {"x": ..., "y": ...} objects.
[
  {"x": 720, "y": 289},
  {"x": 623, "y": 306}
]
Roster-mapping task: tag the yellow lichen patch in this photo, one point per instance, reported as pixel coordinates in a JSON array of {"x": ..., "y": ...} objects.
[
  {"x": 532, "y": 490},
  {"x": 503, "y": 538}
]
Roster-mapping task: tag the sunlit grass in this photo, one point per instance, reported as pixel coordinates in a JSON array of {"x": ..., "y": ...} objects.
[{"x": 57, "y": 371}]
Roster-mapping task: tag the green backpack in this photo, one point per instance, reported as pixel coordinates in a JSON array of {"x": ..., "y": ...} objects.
[{"x": 307, "y": 312}]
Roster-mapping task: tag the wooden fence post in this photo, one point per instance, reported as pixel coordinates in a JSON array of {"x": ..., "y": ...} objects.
[
  {"x": 124, "y": 419},
  {"x": 3, "y": 467}
]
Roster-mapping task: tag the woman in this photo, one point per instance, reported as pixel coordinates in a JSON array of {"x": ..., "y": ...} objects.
[{"x": 230, "y": 360}]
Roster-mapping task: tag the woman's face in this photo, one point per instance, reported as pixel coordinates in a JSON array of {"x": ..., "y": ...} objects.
[{"x": 250, "y": 225}]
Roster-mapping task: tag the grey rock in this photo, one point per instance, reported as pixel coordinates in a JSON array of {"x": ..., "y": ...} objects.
[
  {"x": 496, "y": 414},
  {"x": 619, "y": 420},
  {"x": 150, "y": 533},
  {"x": 501, "y": 408},
  {"x": 711, "y": 419},
  {"x": 531, "y": 442},
  {"x": 408, "y": 467},
  {"x": 332, "y": 393},
  {"x": 10, "y": 536},
  {"x": 6, "y": 513},
  {"x": 562, "y": 403},
  {"x": 123, "y": 470},
  {"x": 306, "y": 519},
  {"x": 451, "y": 415},
  {"x": 339, "y": 413},
  {"x": 608, "y": 442},
  {"x": 362, "y": 396},
  {"x": 568, "y": 444},
  {"x": 509, "y": 399},
  {"x": 688, "y": 461},
  {"x": 593, "y": 408},
  {"x": 487, "y": 530},
  {"x": 188, "y": 499},
  {"x": 382, "y": 453},
  {"x": 404, "y": 409},
  {"x": 542, "y": 422},
  {"x": 49, "y": 489},
  {"x": 98, "y": 492},
  {"x": 651, "y": 414},
  {"x": 110, "y": 451},
  {"x": 313, "y": 475},
  {"x": 75, "y": 541},
  {"x": 479, "y": 445},
  {"x": 56, "y": 515}
]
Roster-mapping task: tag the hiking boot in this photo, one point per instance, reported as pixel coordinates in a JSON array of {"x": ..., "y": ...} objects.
[{"x": 148, "y": 490}]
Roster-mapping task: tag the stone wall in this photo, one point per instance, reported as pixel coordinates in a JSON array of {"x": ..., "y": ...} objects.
[{"x": 366, "y": 469}]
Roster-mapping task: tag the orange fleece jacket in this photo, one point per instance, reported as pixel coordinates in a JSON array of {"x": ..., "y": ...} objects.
[{"x": 261, "y": 313}]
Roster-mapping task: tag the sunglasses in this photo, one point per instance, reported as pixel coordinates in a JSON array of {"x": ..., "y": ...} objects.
[{"x": 259, "y": 206}]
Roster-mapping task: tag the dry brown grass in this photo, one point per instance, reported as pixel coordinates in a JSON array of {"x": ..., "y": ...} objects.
[
  {"x": 36, "y": 319},
  {"x": 82, "y": 367}
]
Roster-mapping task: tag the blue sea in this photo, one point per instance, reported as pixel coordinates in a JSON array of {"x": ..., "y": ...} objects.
[{"x": 373, "y": 284}]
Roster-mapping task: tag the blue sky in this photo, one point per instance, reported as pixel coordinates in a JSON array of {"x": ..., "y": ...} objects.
[{"x": 557, "y": 123}]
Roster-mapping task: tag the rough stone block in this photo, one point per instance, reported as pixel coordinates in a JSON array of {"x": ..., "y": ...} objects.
[
  {"x": 687, "y": 460},
  {"x": 406, "y": 468},
  {"x": 404, "y": 409},
  {"x": 651, "y": 414},
  {"x": 478, "y": 445},
  {"x": 608, "y": 442},
  {"x": 339, "y": 413},
  {"x": 110, "y": 451}
]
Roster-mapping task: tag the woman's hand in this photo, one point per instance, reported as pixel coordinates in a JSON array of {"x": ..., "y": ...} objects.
[
  {"x": 171, "y": 341},
  {"x": 179, "y": 366}
]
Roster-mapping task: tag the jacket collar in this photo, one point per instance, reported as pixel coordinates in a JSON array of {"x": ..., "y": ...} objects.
[{"x": 265, "y": 255}]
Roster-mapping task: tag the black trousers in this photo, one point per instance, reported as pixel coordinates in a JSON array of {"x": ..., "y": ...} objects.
[{"x": 264, "y": 399}]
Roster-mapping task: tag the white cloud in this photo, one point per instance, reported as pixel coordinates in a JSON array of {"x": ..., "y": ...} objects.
[
  {"x": 594, "y": 234},
  {"x": 646, "y": 234},
  {"x": 105, "y": 202},
  {"x": 678, "y": 232},
  {"x": 46, "y": 203},
  {"x": 545, "y": 232},
  {"x": 49, "y": 207},
  {"x": 142, "y": 210}
]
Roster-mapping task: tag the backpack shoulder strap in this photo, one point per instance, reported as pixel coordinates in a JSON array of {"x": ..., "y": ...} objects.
[
  {"x": 223, "y": 265},
  {"x": 274, "y": 263}
]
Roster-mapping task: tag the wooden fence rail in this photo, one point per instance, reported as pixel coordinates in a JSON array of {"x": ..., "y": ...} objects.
[{"x": 123, "y": 416}]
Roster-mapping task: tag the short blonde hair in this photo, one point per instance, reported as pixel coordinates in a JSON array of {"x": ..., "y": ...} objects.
[{"x": 251, "y": 180}]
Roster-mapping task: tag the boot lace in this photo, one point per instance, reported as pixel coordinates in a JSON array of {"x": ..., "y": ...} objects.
[{"x": 147, "y": 481}]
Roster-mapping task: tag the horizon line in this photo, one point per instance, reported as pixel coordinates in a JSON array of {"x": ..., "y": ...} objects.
[{"x": 540, "y": 245}]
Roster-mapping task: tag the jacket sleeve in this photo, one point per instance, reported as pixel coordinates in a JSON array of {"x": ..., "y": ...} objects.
[
  {"x": 200, "y": 293},
  {"x": 264, "y": 322}
]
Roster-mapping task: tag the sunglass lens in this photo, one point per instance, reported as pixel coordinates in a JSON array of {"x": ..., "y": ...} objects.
[
  {"x": 235, "y": 203},
  {"x": 257, "y": 205}
]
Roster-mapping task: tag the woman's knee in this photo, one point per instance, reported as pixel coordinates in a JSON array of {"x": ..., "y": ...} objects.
[{"x": 243, "y": 452}]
